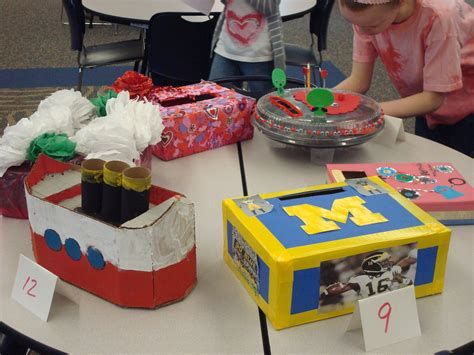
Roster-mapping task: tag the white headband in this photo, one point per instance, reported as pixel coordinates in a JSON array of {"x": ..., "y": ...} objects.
[{"x": 373, "y": 2}]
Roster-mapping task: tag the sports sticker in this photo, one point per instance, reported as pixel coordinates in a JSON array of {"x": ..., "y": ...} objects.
[
  {"x": 254, "y": 205},
  {"x": 366, "y": 187},
  {"x": 245, "y": 259}
]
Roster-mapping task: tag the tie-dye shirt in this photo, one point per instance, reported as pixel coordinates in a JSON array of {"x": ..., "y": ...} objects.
[
  {"x": 433, "y": 50},
  {"x": 245, "y": 35}
]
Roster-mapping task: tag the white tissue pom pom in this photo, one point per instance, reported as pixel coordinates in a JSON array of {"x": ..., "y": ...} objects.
[
  {"x": 144, "y": 116},
  {"x": 117, "y": 104},
  {"x": 53, "y": 119},
  {"x": 19, "y": 136},
  {"x": 147, "y": 123},
  {"x": 109, "y": 137},
  {"x": 10, "y": 157},
  {"x": 82, "y": 109}
]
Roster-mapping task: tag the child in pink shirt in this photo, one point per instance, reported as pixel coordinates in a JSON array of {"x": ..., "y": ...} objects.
[{"x": 427, "y": 48}]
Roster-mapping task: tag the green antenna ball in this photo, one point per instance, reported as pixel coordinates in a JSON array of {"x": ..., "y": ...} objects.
[{"x": 320, "y": 98}]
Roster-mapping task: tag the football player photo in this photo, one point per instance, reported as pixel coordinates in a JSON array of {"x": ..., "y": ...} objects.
[{"x": 343, "y": 281}]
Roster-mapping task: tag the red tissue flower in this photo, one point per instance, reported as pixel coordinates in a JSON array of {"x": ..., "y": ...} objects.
[{"x": 136, "y": 84}]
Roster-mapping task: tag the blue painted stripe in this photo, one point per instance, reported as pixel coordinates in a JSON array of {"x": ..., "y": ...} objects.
[
  {"x": 230, "y": 249},
  {"x": 305, "y": 296},
  {"x": 457, "y": 222},
  {"x": 425, "y": 265},
  {"x": 263, "y": 279},
  {"x": 50, "y": 77}
]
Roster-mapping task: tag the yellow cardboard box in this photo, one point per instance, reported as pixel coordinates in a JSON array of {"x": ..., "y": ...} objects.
[{"x": 307, "y": 254}]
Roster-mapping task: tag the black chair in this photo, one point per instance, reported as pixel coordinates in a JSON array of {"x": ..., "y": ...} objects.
[
  {"x": 178, "y": 49},
  {"x": 231, "y": 82},
  {"x": 102, "y": 54},
  {"x": 466, "y": 349},
  {"x": 15, "y": 343},
  {"x": 318, "y": 26}
]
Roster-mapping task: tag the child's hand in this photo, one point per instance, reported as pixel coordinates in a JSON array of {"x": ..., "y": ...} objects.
[{"x": 360, "y": 78}]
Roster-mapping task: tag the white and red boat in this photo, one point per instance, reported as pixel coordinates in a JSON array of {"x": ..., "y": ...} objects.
[{"x": 146, "y": 262}]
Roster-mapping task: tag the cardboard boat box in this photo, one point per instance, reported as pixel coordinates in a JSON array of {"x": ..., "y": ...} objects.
[
  {"x": 146, "y": 262},
  {"x": 308, "y": 254},
  {"x": 12, "y": 191}
]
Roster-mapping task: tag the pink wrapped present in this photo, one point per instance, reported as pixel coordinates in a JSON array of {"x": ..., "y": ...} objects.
[{"x": 201, "y": 117}]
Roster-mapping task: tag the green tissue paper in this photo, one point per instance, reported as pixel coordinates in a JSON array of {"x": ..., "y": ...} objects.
[
  {"x": 101, "y": 100},
  {"x": 57, "y": 146}
]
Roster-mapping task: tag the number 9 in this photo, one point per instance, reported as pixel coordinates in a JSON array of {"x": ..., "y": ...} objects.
[{"x": 386, "y": 314}]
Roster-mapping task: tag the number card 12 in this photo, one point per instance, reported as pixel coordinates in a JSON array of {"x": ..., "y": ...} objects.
[
  {"x": 387, "y": 318},
  {"x": 34, "y": 287}
]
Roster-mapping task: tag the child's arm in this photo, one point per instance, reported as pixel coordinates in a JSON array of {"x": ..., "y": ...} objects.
[
  {"x": 414, "y": 105},
  {"x": 360, "y": 78}
]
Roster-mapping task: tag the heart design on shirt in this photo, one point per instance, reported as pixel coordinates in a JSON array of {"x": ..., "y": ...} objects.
[{"x": 244, "y": 29}]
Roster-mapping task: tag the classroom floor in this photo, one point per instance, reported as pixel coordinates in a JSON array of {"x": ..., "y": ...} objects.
[{"x": 32, "y": 36}]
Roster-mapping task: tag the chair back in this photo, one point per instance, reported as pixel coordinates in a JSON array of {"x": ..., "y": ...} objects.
[
  {"x": 14, "y": 342},
  {"x": 76, "y": 17},
  {"x": 231, "y": 81},
  {"x": 319, "y": 21},
  {"x": 179, "y": 51}
]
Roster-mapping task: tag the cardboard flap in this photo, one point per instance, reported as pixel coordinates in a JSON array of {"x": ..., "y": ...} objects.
[{"x": 45, "y": 165}]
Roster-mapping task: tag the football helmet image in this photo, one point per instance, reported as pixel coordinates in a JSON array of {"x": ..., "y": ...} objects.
[{"x": 376, "y": 263}]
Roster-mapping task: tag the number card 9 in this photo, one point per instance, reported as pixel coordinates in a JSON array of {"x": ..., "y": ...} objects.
[{"x": 387, "y": 318}]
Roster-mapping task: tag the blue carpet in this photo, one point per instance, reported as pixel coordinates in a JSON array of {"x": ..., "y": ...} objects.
[
  {"x": 67, "y": 77},
  {"x": 51, "y": 77}
]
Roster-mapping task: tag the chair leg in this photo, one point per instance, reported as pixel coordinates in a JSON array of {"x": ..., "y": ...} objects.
[
  {"x": 316, "y": 76},
  {"x": 79, "y": 81},
  {"x": 61, "y": 17},
  {"x": 144, "y": 68},
  {"x": 136, "y": 65}
]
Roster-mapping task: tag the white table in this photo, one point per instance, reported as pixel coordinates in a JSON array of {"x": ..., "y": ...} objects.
[
  {"x": 140, "y": 11},
  {"x": 446, "y": 319},
  {"x": 218, "y": 316}
]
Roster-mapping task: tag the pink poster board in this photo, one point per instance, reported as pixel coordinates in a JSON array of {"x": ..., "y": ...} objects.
[{"x": 437, "y": 187}]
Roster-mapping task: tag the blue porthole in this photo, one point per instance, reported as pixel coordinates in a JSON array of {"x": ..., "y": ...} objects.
[
  {"x": 53, "y": 241},
  {"x": 73, "y": 249},
  {"x": 95, "y": 257}
]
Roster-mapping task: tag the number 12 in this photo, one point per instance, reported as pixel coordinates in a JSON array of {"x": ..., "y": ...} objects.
[{"x": 34, "y": 282}]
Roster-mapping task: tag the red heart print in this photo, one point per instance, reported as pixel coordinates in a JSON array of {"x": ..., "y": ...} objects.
[
  {"x": 244, "y": 29},
  {"x": 166, "y": 138}
]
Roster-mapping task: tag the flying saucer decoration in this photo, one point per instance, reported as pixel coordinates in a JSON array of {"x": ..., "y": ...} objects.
[
  {"x": 444, "y": 169},
  {"x": 410, "y": 194},
  {"x": 320, "y": 99},
  {"x": 279, "y": 80},
  {"x": 386, "y": 171}
]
